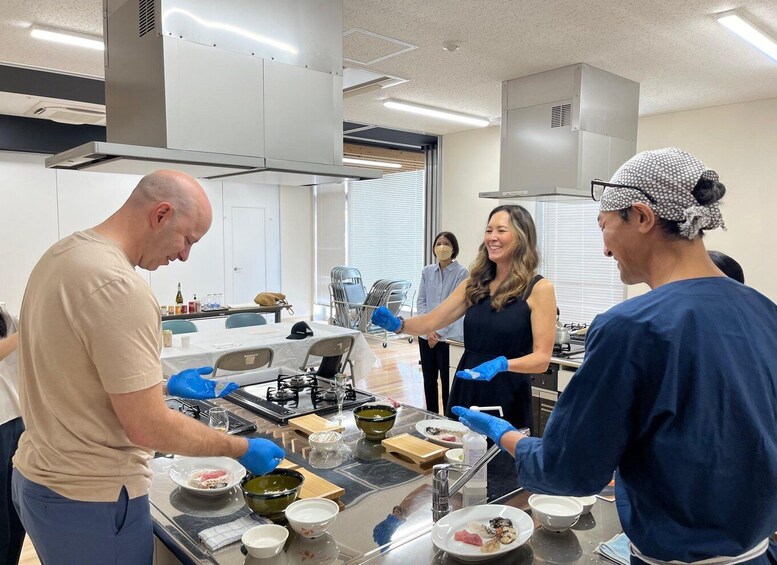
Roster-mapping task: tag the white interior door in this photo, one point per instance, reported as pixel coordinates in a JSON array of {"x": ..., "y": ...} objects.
[{"x": 249, "y": 258}]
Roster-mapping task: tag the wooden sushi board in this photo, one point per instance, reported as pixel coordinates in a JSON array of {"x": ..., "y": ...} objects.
[
  {"x": 316, "y": 487},
  {"x": 419, "y": 451},
  {"x": 311, "y": 423}
]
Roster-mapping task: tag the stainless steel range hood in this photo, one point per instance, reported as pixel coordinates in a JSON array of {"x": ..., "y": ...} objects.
[
  {"x": 563, "y": 128},
  {"x": 236, "y": 89}
]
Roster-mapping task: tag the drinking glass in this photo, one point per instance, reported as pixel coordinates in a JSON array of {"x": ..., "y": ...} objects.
[
  {"x": 340, "y": 379},
  {"x": 218, "y": 419}
]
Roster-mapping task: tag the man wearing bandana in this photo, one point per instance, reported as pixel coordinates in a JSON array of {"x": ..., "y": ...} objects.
[{"x": 678, "y": 390}]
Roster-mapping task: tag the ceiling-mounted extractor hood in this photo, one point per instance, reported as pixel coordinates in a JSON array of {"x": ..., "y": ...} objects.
[
  {"x": 237, "y": 89},
  {"x": 563, "y": 128}
]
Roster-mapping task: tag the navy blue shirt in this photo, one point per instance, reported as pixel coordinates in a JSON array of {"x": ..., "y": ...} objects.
[{"x": 678, "y": 391}]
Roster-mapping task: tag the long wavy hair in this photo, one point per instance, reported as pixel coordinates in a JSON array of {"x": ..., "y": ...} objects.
[{"x": 523, "y": 267}]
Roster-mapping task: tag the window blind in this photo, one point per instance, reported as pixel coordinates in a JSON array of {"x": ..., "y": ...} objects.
[
  {"x": 386, "y": 227},
  {"x": 586, "y": 282}
]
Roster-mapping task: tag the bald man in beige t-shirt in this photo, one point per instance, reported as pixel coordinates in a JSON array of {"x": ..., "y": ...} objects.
[{"x": 91, "y": 381}]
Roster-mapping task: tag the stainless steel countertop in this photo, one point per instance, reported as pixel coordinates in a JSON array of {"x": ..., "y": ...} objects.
[
  {"x": 351, "y": 538},
  {"x": 576, "y": 545}
]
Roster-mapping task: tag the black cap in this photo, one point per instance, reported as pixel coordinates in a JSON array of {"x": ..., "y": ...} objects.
[{"x": 300, "y": 330}]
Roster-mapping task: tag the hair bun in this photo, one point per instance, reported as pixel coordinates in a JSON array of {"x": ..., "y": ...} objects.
[{"x": 708, "y": 191}]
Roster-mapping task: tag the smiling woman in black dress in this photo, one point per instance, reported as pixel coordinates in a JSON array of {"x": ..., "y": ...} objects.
[{"x": 509, "y": 319}]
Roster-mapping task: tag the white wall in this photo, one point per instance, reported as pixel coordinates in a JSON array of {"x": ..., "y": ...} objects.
[
  {"x": 470, "y": 164},
  {"x": 739, "y": 141},
  {"x": 38, "y": 206},
  {"x": 296, "y": 205}
]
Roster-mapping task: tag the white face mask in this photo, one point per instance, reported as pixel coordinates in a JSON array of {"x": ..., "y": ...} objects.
[{"x": 443, "y": 252}]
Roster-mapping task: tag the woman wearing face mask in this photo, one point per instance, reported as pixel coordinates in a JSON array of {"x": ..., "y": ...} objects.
[
  {"x": 438, "y": 281},
  {"x": 509, "y": 319}
]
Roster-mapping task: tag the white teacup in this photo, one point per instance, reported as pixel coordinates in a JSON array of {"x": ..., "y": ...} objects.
[{"x": 185, "y": 340}]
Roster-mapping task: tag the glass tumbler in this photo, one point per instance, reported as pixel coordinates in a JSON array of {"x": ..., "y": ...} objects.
[{"x": 218, "y": 419}]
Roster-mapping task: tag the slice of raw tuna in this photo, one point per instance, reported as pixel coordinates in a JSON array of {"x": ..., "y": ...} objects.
[{"x": 468, "y": 537}]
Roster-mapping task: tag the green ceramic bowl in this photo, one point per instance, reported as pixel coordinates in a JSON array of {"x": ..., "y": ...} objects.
[
  {"x": 270, "y": 494},
  {"x": 375, "y": 420}
]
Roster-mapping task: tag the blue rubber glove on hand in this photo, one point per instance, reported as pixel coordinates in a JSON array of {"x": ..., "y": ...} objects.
[
  {"x": 484, "y": 424},
  {"x": 385, "y": 319},
  {"x": 190, "y": 384},
  {"x": 262, "y": 456},
  {"x": 484, "y": 371}
]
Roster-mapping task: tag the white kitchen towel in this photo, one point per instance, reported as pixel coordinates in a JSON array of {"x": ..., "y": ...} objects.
[
  {"x": 617, "y": 549},
  {"x": 219, "y": 536}
]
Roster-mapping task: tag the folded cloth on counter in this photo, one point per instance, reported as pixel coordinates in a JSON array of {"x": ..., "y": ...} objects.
[
  {"x": 616, "y": 549},
  {"x": 218, "y": 536}
]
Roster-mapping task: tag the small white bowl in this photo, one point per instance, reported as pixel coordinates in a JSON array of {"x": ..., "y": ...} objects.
[
  {"x": 587, "y": 502},
  {"x": 265, "y": 541},
  {"x": 311, "y": 517},
  {"x": 326, "y": 441},
  {"x": 455, "y": 456},
  {"x": 555, "y": 513}
]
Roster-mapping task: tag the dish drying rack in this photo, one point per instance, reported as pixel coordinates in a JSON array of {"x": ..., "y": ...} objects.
[{"x": 351, "y": 306}]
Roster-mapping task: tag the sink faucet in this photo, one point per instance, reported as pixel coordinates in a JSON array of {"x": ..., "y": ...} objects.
[{"x": 441, "y": 492}]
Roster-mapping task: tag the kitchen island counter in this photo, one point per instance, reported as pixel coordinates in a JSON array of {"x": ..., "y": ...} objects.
[{"x": 386, "y": 503}]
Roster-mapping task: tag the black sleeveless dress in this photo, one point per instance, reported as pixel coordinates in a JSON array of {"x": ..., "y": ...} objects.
[{"x": 489, "y": 334}]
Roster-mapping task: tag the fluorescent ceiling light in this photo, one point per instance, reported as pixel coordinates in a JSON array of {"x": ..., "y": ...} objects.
[
  {"x": 68, "y": 37},
  {"x": 750, "y": 33},
  {"x": 436, "y": 112},
  {"x": 383, "y": 164}
]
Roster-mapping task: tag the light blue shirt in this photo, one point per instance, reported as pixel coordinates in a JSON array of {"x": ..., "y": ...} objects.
[{"x": 436, "y": 285}]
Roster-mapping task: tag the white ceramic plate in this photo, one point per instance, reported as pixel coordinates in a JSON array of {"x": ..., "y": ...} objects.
[
  {"x": 184, "y": 467},
  {"x": 443, "y": 425},
  {"x": 445, "y": 528}
]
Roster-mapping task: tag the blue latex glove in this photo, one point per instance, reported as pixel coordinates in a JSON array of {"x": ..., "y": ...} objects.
[
  {"x": 190, "y": 384},
  {"x": 385, "y": 319},
  {"x": 262, "y": 456},
  {"x": 484, "y": 371},
  {"x": 484, "y": 424}
]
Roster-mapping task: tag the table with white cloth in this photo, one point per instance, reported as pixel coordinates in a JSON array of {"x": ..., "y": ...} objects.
[{"x": 206, "y": 347}]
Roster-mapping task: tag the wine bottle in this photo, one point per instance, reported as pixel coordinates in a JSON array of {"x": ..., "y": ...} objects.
[{"x": 179, "y": 296}]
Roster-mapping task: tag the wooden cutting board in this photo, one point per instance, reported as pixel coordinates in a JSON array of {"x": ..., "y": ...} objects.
[
  {"x": 311, "y": 423},
  {"x": 286, "y": 464},
  {"x": 419, "y": 451},
  {"x": 316, "y": 487}
]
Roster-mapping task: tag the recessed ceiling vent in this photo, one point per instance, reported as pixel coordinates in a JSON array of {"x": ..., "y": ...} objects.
[
  {"x": 146, "y": 17},
  {"x": 561, "y": 116},
  {"x": 67, "y": 114}
]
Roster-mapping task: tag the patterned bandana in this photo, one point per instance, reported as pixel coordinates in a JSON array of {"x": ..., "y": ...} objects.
[{"x": 669, "y": 176}]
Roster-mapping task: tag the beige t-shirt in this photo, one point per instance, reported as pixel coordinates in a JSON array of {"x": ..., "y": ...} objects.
[{"x": 90, "y": 325}]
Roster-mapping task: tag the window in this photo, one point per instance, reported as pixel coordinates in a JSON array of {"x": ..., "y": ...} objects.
[
  {"x": 587, "y": 283},
  {"x": 376, "y": 226},
  {"x": 386, "y": 227}
]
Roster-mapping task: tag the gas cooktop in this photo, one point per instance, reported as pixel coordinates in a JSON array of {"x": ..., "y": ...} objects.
[{"x": 288, "y": 396}]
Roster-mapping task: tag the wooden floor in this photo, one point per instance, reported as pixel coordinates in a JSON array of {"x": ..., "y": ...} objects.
[{"x": 398, "y": 377}]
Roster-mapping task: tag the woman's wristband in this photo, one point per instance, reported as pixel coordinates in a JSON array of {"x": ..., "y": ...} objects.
[{"x": 401, "y": 324}]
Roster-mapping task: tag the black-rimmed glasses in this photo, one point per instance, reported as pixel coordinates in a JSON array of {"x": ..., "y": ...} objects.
[{"x": 598, "y": 187}]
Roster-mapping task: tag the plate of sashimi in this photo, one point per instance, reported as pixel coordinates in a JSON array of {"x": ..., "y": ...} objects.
[
  {"x": 206, "y": 476},
  {"x": 482, "y": 532}
]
